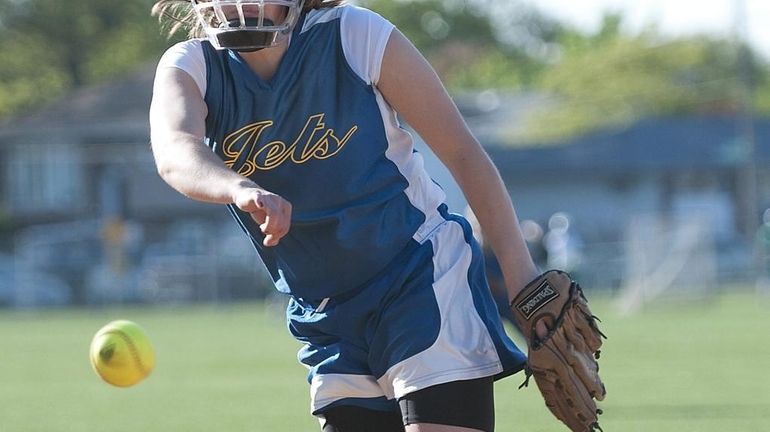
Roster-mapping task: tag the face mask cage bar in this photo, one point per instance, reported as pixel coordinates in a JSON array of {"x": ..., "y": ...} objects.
[{"x": 242, "y": 25}]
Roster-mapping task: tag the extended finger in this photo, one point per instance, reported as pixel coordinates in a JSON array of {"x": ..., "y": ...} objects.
[
  {"x": 270, "y": 240},
  {"x": 258, "y": 216},
  {"x": 276, "y": 223}
]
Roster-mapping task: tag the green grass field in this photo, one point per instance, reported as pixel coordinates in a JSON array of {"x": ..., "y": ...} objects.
[{"x": 233, "y": 368}]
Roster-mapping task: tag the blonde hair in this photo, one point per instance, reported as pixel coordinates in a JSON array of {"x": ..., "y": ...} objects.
[{"x": 175, "y": 15}]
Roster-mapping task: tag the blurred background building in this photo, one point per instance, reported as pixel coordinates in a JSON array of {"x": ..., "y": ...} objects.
[{"x": 632, "y": 155}]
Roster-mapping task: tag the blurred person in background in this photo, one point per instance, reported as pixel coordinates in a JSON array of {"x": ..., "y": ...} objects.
[
  {"x": 762, "y": 253},
  {"x": 492, "y": 270},
  {"x": 287, "y": 112},
  {"x": 562, "y": 244},
  {"x": 533, "y": 236}
]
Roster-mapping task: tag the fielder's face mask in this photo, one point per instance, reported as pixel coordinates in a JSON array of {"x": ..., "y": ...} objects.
[{"x": 247, "y": 25}]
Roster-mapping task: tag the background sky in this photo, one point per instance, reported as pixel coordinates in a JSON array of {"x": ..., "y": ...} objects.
[{"x": 672, "y": 16}]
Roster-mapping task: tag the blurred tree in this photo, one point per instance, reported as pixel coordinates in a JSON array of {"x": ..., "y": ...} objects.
[
  {"x": 475, "y": 44},
  {"x": 611, "y": 79},
  {"x": 600, "y": 79},
  {"x": 50, "y": 46}
]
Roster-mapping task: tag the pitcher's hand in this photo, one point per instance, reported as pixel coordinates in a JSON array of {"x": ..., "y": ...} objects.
[{"x": 270, "y": 211}]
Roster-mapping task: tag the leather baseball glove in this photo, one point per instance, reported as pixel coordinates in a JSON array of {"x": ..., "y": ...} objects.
[{"x": 563, "y": 361}]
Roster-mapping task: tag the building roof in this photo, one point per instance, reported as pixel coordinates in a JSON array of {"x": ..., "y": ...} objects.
[
  {"x": 660, "y": 143},
  {"x": 498, "y": 116},
  {"x": 117, "y": 110}
]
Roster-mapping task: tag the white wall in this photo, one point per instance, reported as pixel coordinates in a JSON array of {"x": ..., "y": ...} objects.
[{"x": 596, "y": 207}]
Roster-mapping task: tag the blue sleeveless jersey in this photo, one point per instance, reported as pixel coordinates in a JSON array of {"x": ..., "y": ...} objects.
[{"x": 321, "y": 137}]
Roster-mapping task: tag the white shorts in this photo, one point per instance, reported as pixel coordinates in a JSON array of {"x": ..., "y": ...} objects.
[{"x": 427, "y": 319}]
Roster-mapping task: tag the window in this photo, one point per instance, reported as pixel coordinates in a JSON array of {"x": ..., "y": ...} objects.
[{"x": 45, "y": 178}]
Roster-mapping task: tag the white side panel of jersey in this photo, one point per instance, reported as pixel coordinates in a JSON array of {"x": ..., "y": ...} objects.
[
  {"x": 464, "y": 349},
  {"x": 422, "y": 191},
  {"x": 365, "y": 35},
  {"x": 187, "y": 56}
]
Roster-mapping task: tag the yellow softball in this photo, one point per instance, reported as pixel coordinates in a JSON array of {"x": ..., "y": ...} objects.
[{"x": 121, "y": 353}]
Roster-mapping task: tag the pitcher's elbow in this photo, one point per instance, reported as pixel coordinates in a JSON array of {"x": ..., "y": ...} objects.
[{"x": 166, "y": 171}]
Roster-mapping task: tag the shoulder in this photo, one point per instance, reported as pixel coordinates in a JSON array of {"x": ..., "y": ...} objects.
[
  {"x": 182, "y": 52},
  {"x": 320, "y": 16},
  {"x": 364, "y": 35},
  {"x": 187, "y": 56},
  {"x": 348, "y": 15},
  {"x": 352, "y": 12},
  {"x": 358, "y": 17},
  {"x": 184, "y": 48}
]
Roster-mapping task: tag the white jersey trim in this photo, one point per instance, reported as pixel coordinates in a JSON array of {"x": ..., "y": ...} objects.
[
  {"x": 187, "y": 56},
  {"x": 464, "y": 349},
  {"x": 422, "y": 191},
  {"x": 328, "y": 388},
  {"x": 365, "y": 35}
]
